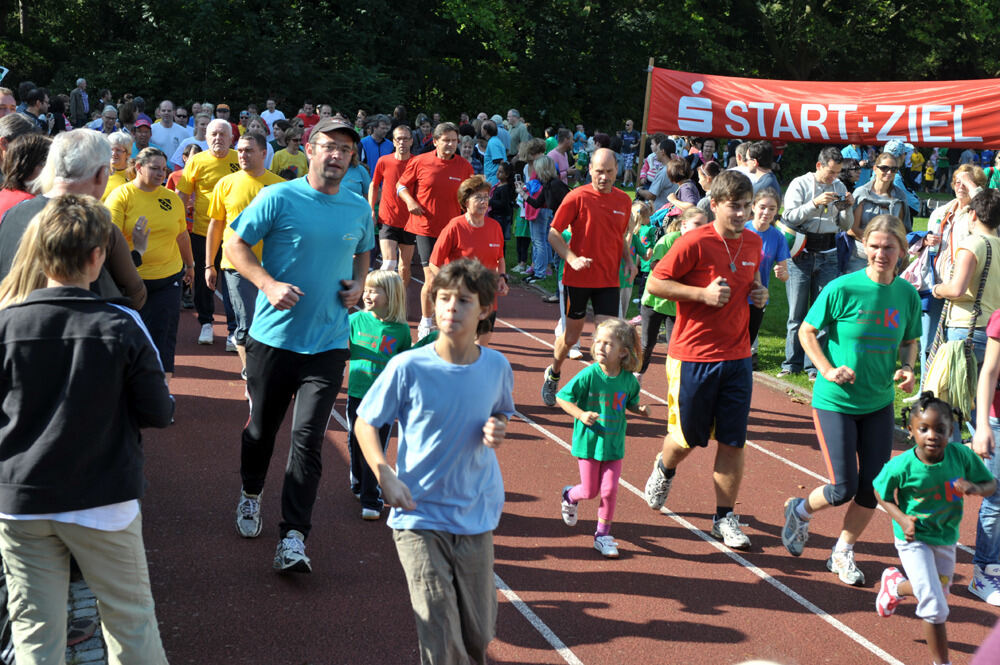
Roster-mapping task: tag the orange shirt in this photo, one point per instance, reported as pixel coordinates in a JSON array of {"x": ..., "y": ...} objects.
[
  {"x": 391, "y": 209},
  {"x": 598, "y": 223},
  {"x": 434, "y": 182},
  {"x": 459, "y": 239},
  {"x": 704, "y": 333}
]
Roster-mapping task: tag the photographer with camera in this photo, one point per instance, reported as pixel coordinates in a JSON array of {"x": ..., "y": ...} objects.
[{"x": 818, "y": 205}]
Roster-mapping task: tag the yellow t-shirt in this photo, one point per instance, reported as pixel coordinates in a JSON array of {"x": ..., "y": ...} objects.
[
  {"x": 115, "y": 180},
  {"x": 165, "y": 213},
  {"x": 201, "y": 173},
  {"x": 231, "y": 195},
  {"x": 285, "y": 160}
]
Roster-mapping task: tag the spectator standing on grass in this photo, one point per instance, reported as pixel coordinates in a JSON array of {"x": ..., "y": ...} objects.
[{"x": 518, "y": 132}]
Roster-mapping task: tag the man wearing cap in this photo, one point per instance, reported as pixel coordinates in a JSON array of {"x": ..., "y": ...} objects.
[
  {"x": 142, "y": 133},
  {"x": 316, "y": 241},
  {"x": 201, "y": 173},
  {"x": 168, "y": 134}
]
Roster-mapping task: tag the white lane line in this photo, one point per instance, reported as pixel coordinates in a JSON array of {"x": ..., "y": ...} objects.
[
  {"x": 762, "y": 574},
  {"x": 539, "y": 625},
  {"x": 515, "y": 600}
]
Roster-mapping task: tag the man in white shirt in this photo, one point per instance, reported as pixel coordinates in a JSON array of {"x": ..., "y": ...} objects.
[
  {"x": 166, "y": 133},
  {"x": 270, "y": 116}
]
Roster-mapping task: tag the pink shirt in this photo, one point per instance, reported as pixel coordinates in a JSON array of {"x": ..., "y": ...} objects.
[{"x": 562, "y": 163}]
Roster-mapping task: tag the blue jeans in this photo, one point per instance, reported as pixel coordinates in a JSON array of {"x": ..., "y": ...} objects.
[
  {"x": 808, "y": 273},
  {"x": 243, "y": 298},
  {"x": 541, "y": 250},
  {"x": 988, "y": 528}
]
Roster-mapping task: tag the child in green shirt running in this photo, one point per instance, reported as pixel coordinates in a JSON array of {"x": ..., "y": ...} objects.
[{"x": 922, "y": 490}]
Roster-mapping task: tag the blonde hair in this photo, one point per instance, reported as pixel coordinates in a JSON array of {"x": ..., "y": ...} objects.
[
  {"x": 888, "y": 224},
  {"x": 640, "y": 215},
  {"x": 977, "y": 174},
  {"x": 395, "y": 293},
  {"x": 58, "y": 243},
  {"x": 690, "y": 213},
  {"x": 625, "y": 335}
]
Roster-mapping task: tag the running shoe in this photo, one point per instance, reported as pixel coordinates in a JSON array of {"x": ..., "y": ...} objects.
[
  {"x": 231, "y": 343},
  {"x": 796, "y": 531},
  {"x": 206, "y": 336},
  {"x": 986, "y": 583},
  {"x": 370, "y": 514},
  {"x": 658, "y": 486},
  {"x": 290, "y": 557},
  {"x": 888, "y": 598},
  {"x": 607, "y": 546},
  {"x": 550, "y": 386},
  {"x": 783, "y": 373},
  {"x": 842, "y": 563},
  {"x": 575, "y": 353},
  {"x": 568, "y": 509},
  {"x": 727, "y": 529},
  {"x": 248, "y": 522}
]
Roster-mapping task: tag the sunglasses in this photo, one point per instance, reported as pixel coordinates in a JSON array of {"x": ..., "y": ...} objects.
[
  {"x": 887, "y": 169},
  {"x": 181, "y": 115}
]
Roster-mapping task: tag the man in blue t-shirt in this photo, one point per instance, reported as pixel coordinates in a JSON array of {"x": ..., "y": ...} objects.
[
  {"x": 495, "y": 152},
  {"x": 317, "y": 237},
  {"x": 376, "y": 145}
]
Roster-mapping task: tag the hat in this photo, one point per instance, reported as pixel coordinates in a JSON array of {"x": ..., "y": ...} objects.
[
  {"x": 219, "y": 107},
  {"x": 897, "y": 148},
  {"x": 496, "y": 118},
  {"x": 142, "y": 122},
  {"x": 332, "y": 125}
]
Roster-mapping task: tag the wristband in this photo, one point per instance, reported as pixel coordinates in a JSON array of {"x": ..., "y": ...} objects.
[
  {"x": 503, "y": 276},
  {"x": 191, "y": 267},
  {"x": 907, "y": 366}
]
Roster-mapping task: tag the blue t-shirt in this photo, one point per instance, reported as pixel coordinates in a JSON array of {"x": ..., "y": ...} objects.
[
  {"x": 774, "y": 250},
  {"x": 453, "y": 478},
  {"x": 357, "y": 179},
  {"x": 372, "y": 151},
  {"x": 310, "y": 240},
  {"x": 494, "y": 151}
]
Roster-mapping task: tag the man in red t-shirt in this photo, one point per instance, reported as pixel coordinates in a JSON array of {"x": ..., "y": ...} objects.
[
  {"x": 308, "y": 117},
  {"x": 389, "y": 209},
  {"x": 429, "y": 188},
  {"x": 597, "y": 215},
  {"x": 710, "y": 272}
]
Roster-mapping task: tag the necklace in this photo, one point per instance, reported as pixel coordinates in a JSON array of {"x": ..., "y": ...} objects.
[{"x": 732, "y": 263}]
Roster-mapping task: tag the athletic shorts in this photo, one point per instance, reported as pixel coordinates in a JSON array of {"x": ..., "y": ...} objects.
[
  {"x": 396, "y": 234},
  {"x": 708, "y": 400},
  {"x": 425, "y": 246},
  {"x": 604, "y": 300}
]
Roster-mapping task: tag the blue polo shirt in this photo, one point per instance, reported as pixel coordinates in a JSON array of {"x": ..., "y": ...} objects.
[
  {"x": 310, "y": 240},
  {"x": 372, "y": 151}
]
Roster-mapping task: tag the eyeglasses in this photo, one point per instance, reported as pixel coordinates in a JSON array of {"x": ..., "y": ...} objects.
[
  {"x": 887, "y": 169},
  {"x": 482, "y": 198},
  {"x": 183, "y": 116}
]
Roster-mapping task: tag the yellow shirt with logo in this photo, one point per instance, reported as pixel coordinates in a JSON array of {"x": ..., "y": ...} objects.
[
  {"x": 165, "y": 213},
  {"x": 283, "y": 160},
  {"x": 201, "y": 173},
  {"x": 231, "y": 195},
  {"x": 115, "y": 180}
]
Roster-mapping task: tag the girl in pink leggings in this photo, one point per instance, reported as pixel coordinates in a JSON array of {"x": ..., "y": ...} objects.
[{"x": 597, "y": 398}]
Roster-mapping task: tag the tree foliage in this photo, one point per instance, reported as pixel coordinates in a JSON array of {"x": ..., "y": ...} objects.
[{"x": 559, "y": 61}]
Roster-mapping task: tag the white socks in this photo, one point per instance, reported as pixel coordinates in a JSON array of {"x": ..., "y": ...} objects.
[{"x": 389, "y": 265}]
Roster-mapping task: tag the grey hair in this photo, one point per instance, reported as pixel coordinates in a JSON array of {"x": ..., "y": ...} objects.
[
  {"x": 217, "y": 122},
  {"x": 13, "y": 125},
  {"x": 122, "y": 139},
  {"x": 80, "y": 80},
  {"x": 515, "y": 113},
  {"x": 545, "y": 168},
  {"x": 74, "y": 156},
  {"x": 109, "y": 107}
]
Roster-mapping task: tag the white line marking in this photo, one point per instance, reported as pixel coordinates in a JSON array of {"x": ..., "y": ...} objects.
[
  {"x": 536, "y": 621},
  {"x": 762, "y": 574}
]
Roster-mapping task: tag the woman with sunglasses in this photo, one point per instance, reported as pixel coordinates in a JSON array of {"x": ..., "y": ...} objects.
[{"x": 878, "y": 196}]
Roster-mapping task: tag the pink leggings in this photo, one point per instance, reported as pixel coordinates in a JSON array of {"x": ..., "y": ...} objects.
[{"x": 599, "y": 477}]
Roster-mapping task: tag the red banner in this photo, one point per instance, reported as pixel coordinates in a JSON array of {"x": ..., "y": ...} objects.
[{"x": 935, "y": 113}]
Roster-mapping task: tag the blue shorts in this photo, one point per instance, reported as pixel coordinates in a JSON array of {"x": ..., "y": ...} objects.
[{"x": 708, "y": 400}]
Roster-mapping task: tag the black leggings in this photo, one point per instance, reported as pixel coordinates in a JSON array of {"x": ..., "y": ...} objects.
[
  {"x": 651, "y": 322},
  {"x": 856, "y": 447},
  {"x": 522, "y": 245}
]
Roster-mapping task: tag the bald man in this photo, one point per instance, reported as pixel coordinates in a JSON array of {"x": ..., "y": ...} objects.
[{"x": 597, "y": 216}]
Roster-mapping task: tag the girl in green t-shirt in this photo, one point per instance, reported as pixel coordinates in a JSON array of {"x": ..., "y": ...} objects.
[
  {"x": 378, "y": 332},
  {"x": 597, "y": 398},
  {"x": 922, "y": 490}
]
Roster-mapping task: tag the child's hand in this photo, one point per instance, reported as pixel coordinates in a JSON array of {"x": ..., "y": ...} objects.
[
  {"x": 963, "y": 486},
  {"x": 643, "y": 409},
  {"x": 494, "y": 432},
  {"x": 588, "y": 418},
  {"x": 395, "y": 492},
  {"x": 909, "y": 525}
]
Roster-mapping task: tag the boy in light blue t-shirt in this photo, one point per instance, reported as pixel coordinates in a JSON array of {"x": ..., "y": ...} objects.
[{"x": 452, "y": 400}]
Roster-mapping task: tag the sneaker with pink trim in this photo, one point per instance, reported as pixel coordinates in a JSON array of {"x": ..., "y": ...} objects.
[{"x": 888, "y": 597}]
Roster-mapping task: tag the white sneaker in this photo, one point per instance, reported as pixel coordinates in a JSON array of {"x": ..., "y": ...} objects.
[
  {"x": 986, "y": 583},
  {"x": 728, "y": 531},
  {"x": 575, "y": 353},
  {"x": 248, "y": 523},
  {"x": 569, "y": 510},
  {"x": 290, "y": 557},
  {"x": 370, "y": 514},
  {"x": 231, "y": 343},
  {"x": 206, "y": 336},
  {"x": 607, "y": 546},
  {"x": 842, "y": 564}
]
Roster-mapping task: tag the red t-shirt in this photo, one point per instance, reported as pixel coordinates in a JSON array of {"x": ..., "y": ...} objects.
[
  {"x": 598, "y": 223},
  {"x": 434, "y": 182},
  {"x": 10, "y": 198},
  {"x": 704, "y": 333},
  {"x": 993, "y": 330},
  {"x": 391, "y": 210},
  {"x": 459, "y": 239},
  {"x": 308, "y": 120}
]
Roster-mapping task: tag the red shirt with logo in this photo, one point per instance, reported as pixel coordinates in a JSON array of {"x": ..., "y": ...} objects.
[
  {"x": 459, "y": 239},
  {"x": 391, "y": 209},
  {"x": 598, "y": 223},
  {"x": 703, "y": 333},
  {"x": 434, "y": 182}
]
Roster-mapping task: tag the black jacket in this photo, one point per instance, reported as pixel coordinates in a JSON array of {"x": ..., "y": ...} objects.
[{"x": 78, "y": 377}]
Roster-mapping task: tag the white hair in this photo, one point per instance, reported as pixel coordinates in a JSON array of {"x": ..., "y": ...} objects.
[
  {"x": 80, "y": 80},
  {"x": 121, "y": 139},
  {"x": 219, "y": 122},
  {"x": 74, "y": 156}
]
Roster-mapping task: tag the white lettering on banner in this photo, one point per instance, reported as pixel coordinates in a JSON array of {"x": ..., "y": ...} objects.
[{"x": 931, "y": 123}]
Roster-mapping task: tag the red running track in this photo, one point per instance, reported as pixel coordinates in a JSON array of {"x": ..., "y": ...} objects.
[{"x": 674, "y": 596}]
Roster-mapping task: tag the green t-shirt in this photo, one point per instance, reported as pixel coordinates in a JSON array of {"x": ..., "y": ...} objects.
[
  {"x": 642, "y": 240},
  {"x": 429, "y": 338},
  {"x": 551, "y": 143},
  {"x": 927, "y": 491},
  {"x": 865, "y": 323},
  {"x": 592, "y": 390},
  {"x": 373, "y": 343},
  {"x": 566, "y": 235},
  {"x": 661, "y": 305}
]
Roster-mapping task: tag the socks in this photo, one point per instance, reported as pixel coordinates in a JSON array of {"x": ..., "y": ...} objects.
[
  {"x": 801, "y": 511},
  {"x": 603, "y": 529},
  {"x": 841, "y": 546},
  {"x": 389, "y": 265},
  {"x": 722, "y": 511},
  {"x": 667, "y": 473},
  {"x": 427, "y": 321}
]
